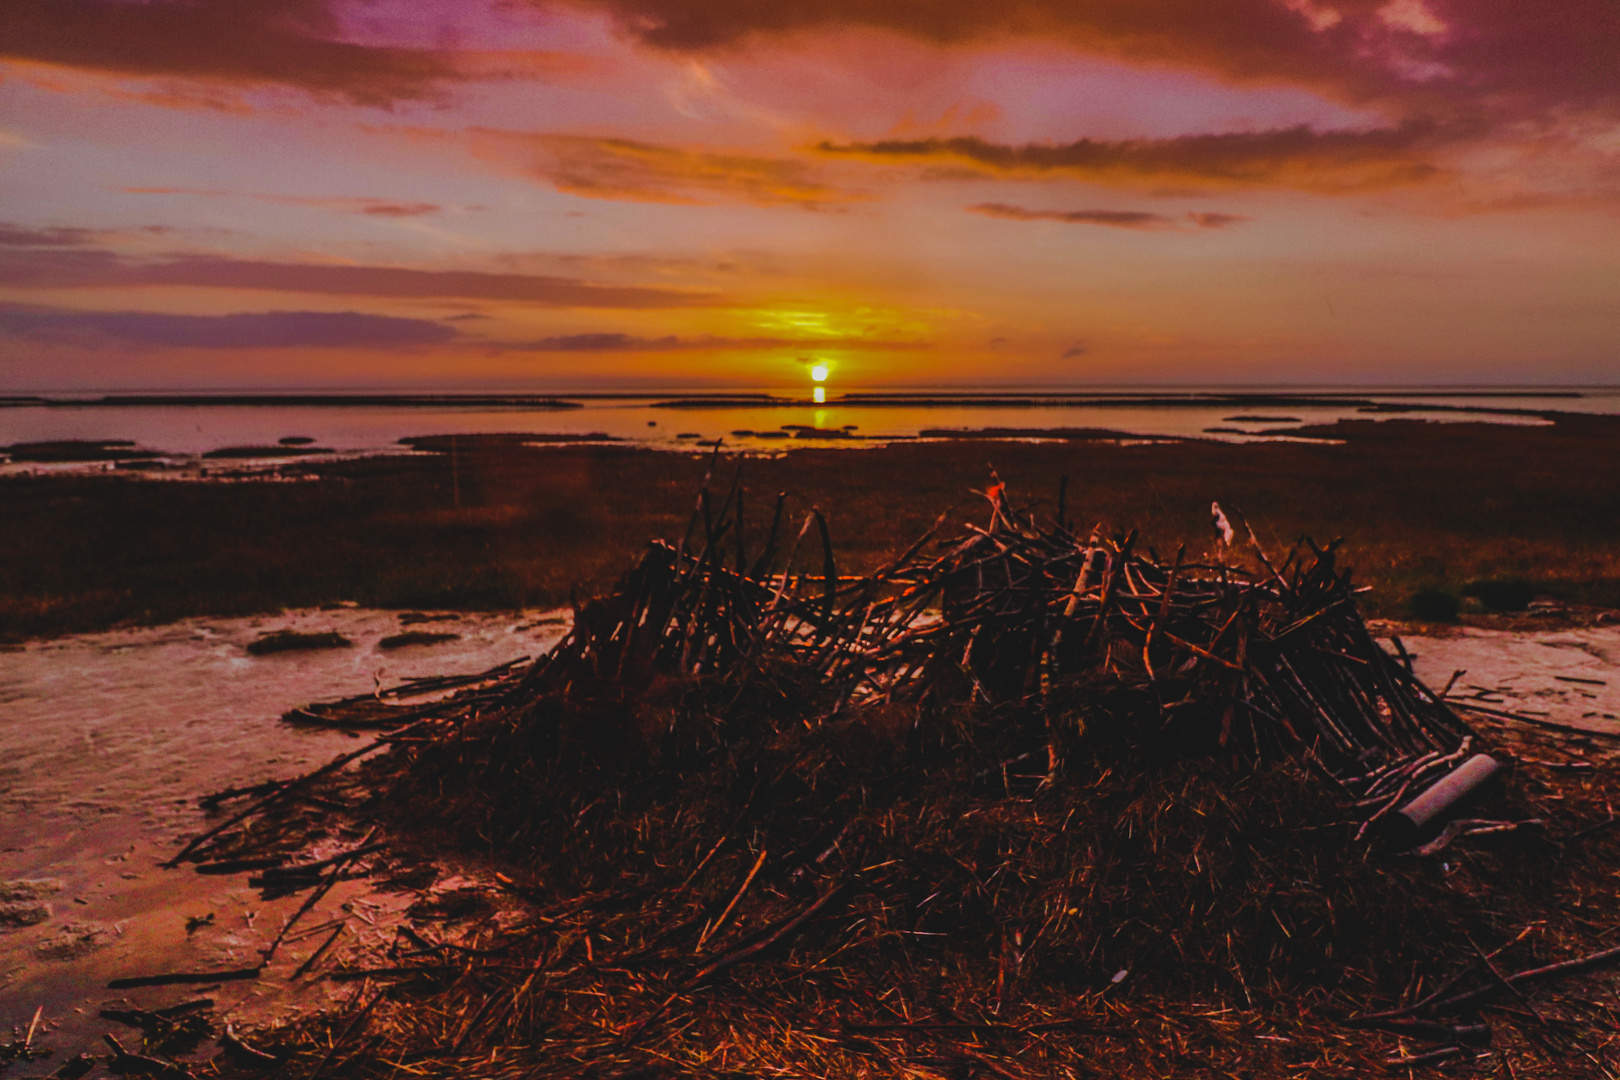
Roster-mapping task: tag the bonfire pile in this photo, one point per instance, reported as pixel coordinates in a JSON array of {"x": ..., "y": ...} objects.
[{"x": 940, "y": 819}]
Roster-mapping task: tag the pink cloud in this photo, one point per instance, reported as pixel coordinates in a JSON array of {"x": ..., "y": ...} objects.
[{"x": 246, "y": 44}]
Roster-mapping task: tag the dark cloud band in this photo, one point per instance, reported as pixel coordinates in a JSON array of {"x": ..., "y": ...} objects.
[
  {"x": 614, "y": 342},
  {"x": 240, "y": 42},
  {"x": 54, "y": 268},
  {"x": 273, "y": 329},
  {"x": 1498, "y": 56},
  {"x": 1117, "y": 219},
  {"x": 1295, "y": 157}
]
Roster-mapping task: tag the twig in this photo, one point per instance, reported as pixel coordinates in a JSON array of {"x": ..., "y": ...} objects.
[
  {"x": 714, "y": 927},
  {"x": 785, "y": 930},
  {"x": 315, "y": 956},
  {"x": 1550, "y": 971}
]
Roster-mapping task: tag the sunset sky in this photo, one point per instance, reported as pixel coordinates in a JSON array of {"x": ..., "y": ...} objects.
[{"x": 691, "y": 193}]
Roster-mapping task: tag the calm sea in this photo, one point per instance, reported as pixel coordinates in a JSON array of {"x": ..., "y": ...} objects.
[{"x": 666, "y": 421}]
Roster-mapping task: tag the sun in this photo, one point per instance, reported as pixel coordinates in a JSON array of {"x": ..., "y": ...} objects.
[{"x": 818, "y": 375}]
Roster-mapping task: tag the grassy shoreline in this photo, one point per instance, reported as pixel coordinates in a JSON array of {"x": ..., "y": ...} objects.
[{"x": 1421, "y": 505}]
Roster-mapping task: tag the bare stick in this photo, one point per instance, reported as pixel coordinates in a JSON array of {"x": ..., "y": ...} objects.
[
  {"x": 1550, "y": 971},
  {"x": 732, "y": 959},
  {"x": 714, "y": 927}
]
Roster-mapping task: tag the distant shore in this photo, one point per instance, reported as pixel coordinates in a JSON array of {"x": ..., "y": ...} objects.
[
  {"x": 1369, "y": 401},
  {"x": 1422, "y": 506}
]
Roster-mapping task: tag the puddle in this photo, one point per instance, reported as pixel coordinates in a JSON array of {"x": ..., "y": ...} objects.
[
  {"x": 1566, "y": 676},
  {"x": 106, "y": 742}
]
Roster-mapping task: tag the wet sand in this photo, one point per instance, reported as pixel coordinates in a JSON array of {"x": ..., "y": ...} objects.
[{"x": 106, "y": 743}]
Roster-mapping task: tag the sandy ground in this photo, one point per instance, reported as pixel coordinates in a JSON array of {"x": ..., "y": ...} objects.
[{"x": 107, "y": 740}]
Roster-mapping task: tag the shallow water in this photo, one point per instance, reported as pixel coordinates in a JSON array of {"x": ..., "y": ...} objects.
[
  {"x": 192, "y": 430},
  {"x": 106, "y": 742}
]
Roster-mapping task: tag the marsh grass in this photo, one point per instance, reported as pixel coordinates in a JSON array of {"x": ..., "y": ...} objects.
[{"x": 1420, "y": 505}]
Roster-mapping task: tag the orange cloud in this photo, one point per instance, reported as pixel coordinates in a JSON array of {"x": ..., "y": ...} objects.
[
  {"x": 624, "y": 169},
  {"x": 1297, "y": 157}
]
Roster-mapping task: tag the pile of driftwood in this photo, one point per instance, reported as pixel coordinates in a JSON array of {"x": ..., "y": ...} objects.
[
  {"x": 754, "y": 813},
  {"x": 1069, "y": 639},
  {"x": 1260, "y": 666}
]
